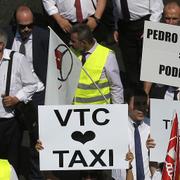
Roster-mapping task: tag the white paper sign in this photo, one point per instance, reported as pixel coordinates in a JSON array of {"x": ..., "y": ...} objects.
[
  {"x": 62, "y": 74},
  {"x": 161, "y": 54},
  {"x": 83, "y": 137},
  {"x": 162, "y": 114}
]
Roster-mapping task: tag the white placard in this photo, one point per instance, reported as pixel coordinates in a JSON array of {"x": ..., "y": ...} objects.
[
  {"x": 162, "y": 113},
  {"x": 161, "y": 54},
  {"x": 62, "y": 73},
  {"x": 83, "y": 137}
]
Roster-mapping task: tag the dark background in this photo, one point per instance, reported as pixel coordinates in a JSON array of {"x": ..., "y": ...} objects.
[{"x": 7, "y": 8}]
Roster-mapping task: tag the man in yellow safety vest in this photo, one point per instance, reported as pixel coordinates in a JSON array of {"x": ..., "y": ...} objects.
[{"x": 99, "y": 81}]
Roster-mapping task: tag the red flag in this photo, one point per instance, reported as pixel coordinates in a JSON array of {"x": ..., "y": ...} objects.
[
  {"x": 171, "y": 165},
  {"x": 177, "y": 170}
]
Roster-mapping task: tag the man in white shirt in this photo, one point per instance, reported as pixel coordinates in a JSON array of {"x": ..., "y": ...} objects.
[
  {"x": 64, "y": 12},
  {"x": 22, "y": 86},
  {"x": 137, "y": 107},
  {"x": 32, "y": 41},
  {"x": 129, "y": 19}
]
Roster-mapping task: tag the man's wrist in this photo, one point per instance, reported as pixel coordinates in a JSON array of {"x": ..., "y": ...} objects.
[
  {"x": 98, "y": 20},
  {"x": 130, "y": 167}
]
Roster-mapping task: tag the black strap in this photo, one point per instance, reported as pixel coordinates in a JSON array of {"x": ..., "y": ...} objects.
[
  {"x": 8, "y": 78},
  {"x": 93, "y": 4}
]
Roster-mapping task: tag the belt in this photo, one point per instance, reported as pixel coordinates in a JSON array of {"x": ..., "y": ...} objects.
[
  {"x": 84, "y": 22},
  {"x": 6, "y": 119}
]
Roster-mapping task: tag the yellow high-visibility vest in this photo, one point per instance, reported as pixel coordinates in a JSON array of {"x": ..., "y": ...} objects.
[
  {"x": 86, "y": 92},
  {"x": 5, "y": 170}
]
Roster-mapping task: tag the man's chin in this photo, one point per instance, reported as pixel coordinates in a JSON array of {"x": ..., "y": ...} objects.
[
  {"x": 25, "y": 36},
  {"x": 140, "y": 118}
]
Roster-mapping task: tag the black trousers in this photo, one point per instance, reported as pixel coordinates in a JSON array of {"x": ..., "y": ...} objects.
[
  {"x": 29, "y": 156},
  {"x": 130, "y": 41},
  {"x": 10, "y": 141}
]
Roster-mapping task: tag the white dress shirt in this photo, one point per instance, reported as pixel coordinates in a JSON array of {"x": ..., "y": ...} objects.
[
  {"x": 111, "y": 72},
  {"x": 67, "y": 9},
  {"x": 144, "y": 131},
  {"x": 28, "y": 46},
  {"x": 23, "y": 83},
  {"x": 157, "y": 175},
  {"x": 13, "y": 174},
  {"x": 139, "y": 9},
  {"x": 169, "y": 95}
]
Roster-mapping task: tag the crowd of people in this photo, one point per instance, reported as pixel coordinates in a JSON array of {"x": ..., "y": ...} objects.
[{"x": 99, "y": 30}]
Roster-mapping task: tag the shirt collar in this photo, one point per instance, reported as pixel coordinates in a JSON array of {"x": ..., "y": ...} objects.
[
  {"x": 94, "y": 47},
  {"x": 18, "y": 36},
  {"x": 6, "y": 54},
  {"x": 171, "y": 89},
  {"x": 132, "y": 121}
]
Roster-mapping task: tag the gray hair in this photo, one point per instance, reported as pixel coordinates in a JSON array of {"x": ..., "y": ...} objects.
[{"x": 3, "y": 37}]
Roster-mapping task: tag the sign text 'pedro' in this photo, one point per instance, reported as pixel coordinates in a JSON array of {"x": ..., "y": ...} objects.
[
  {"x": 161, "y": 55},
  {"x": 83, "y": 137}
]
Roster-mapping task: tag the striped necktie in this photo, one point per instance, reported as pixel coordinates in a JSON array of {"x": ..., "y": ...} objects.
[
  {"x": 79, "y": 15},
  {"x": 22, "y": 48}
]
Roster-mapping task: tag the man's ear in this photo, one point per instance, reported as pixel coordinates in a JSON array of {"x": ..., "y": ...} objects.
[{"x": 84, "y": 43}]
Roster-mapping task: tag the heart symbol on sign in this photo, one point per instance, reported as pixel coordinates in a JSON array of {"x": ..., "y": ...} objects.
[{"x": 83, "y": 138}]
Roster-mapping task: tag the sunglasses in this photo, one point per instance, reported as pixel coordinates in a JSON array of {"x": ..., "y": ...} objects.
[{"x": 23, "y": 26}]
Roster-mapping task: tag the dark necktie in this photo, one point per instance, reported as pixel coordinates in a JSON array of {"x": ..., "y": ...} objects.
[
  {"x": 175, "y": 95},
  {"x": 79, "y": 15},
  {"x": 138, "y": 153},
  {"x": 84, "y": 54},
  {"x": 125, "y": 10},
  {"x": 22, "y": 48}
]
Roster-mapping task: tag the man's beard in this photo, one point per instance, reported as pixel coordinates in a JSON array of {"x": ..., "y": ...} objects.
[{"x": 25, "y": 35}]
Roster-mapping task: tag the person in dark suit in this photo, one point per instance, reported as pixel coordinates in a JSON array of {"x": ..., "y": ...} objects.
[
  {"x": 32, "y": 41},
  {"x": 129, "y": 26},
  {"x": 36, "y": 41}
]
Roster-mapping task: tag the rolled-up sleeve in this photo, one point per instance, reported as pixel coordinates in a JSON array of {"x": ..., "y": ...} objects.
[
  {"x": 156, "y": 8},
  {"x": 113, "y": 76},
  {"x": 28, "y": 82},
  {"x": 50, "y": 7}
]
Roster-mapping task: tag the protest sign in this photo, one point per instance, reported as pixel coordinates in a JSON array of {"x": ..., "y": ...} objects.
[
  {"x": 162, "y": 114},
  {"x": 83, "y": 137},
  {"x": 161, "y": 54}
]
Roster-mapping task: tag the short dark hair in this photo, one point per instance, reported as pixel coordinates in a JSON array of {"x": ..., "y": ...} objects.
[
  {"x": 172, "y": 2},
  {"x": 129, "y": 93},
  {"x": 83, "y": 31}
]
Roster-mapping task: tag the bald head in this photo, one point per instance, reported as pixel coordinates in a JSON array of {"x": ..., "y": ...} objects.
[
  {"x": 24, "y": 15},
  {"x": 24, "y": 19},
  {"x": 172, "y": 13}
]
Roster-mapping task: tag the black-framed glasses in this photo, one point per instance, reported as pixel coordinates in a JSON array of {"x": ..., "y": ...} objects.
[{"x": 23, "y": 26}]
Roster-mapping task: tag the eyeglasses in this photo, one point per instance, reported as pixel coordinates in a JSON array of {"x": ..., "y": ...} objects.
[{"x": 23, "y": 26}]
